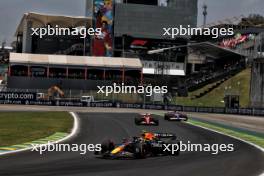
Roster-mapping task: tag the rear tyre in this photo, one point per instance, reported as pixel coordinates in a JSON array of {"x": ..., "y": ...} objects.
[
  {"x": 139, "y": 151},
  {"x": 137, "y": 120},
  {"x": 165, "y": 117},
  {"x": 107, "y": 146},
  {"x": 156, "y": 121}
]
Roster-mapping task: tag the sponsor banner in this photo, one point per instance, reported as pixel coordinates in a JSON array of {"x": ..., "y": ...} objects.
[
  {"x": 102, "y": 45},
  {"x": 245, "y": 111},
  {"x": 160, "y": 67},
  {"x": 77, "y": 103},
  {"x": 159, "y": 107},
  {"x": 174, "y": 108},
  {"x": 218, "y": 110},
  {"x": 128, "y": 105},
  {"x": 18, "y": 96}
]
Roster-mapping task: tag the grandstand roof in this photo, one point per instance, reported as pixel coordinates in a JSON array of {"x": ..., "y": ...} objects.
[
  {"x": 212, "y": 50},
  {"x": 41, "y": 20},
  {"x": 251, "y": 30},
  {"x": 7, "y": 47},
  {"x": 66, "y": 60}
]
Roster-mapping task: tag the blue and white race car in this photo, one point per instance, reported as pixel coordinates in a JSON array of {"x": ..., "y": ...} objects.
[{"x": 175, "y": 115}]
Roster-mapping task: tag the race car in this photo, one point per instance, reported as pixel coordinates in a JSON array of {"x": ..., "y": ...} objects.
[
  {"x": 175, "y": 115},
  {"x": 147, "y": 145},
  {"x": 146, "y": 119}
]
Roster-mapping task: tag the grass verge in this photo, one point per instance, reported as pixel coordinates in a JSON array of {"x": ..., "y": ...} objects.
[
  {"x": 238, "y": 84},
  {"x": 258, "y": 140},
  {"x": 21, "y": 127},
  {"x": 241, "y": 134}
]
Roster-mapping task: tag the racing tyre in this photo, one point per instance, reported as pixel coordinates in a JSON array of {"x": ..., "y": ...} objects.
[
  {"x": 107, "y": 146},
  {"x": 137, "y": 120},
  {"x": 156, "y": 121},
  {"x": 139, "y": 151}
]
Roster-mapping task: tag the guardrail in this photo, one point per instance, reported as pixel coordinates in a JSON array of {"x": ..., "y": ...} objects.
[{"x": 78, "y": 103}]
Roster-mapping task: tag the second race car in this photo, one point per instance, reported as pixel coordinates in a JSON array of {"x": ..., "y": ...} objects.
[
  {"x": 175, "y": 115},
  {"x": 146, "y": 119}
]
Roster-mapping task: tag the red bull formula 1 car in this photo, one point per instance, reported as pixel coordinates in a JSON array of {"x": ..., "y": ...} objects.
[
  {"x": 146, "y": 119},
  {"x": 175, "y": 115},
  {"x": 147, "y": 145}
]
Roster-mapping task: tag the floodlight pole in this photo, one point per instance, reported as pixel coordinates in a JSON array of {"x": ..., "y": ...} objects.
[{"x": 204, "y": 14}]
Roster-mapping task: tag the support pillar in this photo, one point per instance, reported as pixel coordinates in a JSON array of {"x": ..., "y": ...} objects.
[
  {"x": 67, "y": 72},
  {"x": 27, "y": 37},
  {"x": 28, "y": 72},
  {"x": 9, "y": 70},
  {"x": 123, "y": 75},
  {"x": 141, "y": 77},
  {"x": 193, "y": 68},
  {"x": 85, "y": 73},
  {"x": 48, "y": 71},
  {"x": 104, "y": 74}
]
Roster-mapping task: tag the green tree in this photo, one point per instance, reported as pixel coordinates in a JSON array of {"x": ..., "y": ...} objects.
[{"x": 253, "y": 20}]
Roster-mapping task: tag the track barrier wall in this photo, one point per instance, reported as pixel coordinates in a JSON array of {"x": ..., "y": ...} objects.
[{"x": 109, "y": 104}]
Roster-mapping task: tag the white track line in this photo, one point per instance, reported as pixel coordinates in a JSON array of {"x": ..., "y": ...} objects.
[
  {"x": 249, "y": 143},
  {"x": 74, "y": 131}
]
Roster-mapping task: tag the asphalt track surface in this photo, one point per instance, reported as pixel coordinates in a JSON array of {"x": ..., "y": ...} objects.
[{"x": 96, "y": 127}]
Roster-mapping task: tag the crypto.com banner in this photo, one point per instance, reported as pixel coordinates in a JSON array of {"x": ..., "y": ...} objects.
[
  {"x": 15, "y": 96},
  {"x": 102, "y": 45}
]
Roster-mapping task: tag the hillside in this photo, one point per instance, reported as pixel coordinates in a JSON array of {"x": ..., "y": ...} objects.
[{"x": 239, "y": 84}]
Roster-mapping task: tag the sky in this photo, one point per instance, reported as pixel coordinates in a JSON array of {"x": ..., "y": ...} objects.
[{"x": 11, "y": 11}]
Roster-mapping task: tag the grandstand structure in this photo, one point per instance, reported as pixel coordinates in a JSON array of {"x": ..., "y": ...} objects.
[
  {"x": 4, "y": 61},
  {"x": 36, "y": 71},
  {"x": 126, "y": 39},
  {"x": 239, "y": 51},
  {"x": 27, "y": 43},
  {"x": 133, "y": 28},
  {"x": 257, "y": 74},
  {"x": 65, "y": 61}
]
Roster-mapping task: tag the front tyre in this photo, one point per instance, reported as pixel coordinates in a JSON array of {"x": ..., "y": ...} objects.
[{"x": 156, "y": 121}]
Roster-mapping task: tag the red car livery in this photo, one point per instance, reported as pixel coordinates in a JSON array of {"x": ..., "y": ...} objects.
[{"x": 146, "y": 119}]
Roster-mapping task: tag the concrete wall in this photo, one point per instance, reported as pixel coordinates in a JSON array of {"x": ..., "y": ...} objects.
[
  {"x": 45, "y": 83},
  {"x": 257, "y": 83}
]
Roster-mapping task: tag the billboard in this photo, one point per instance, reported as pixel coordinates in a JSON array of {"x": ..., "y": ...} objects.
[
  {"x": 102, "y": 45},
  {"x": 147, "y": 21},
  {"x": 18, "y": 96},
  {"x": 163, "y": 68}
]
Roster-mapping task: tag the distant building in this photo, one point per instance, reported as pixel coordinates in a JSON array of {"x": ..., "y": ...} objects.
[
  {"x": 130, "y": 28},
  {"x": 41, "y": 63}
]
